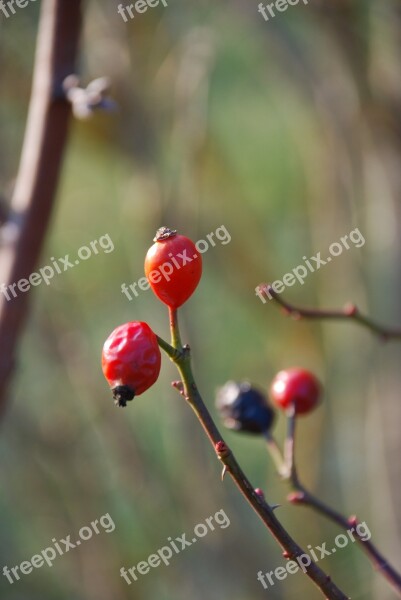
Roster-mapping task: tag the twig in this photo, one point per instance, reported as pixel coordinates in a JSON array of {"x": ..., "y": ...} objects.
[
  {"x": 180, "y": 355},
  {"x": 45, "y": 137},
  {"x": 350, "y": 311},
  {"x": 287, "y": 468}
]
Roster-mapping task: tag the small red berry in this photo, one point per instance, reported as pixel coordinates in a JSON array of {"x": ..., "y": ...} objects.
[
  {"x": 297, "y": 387},
  {"x": 173, "y": 267},
  {"x": 131, "y": 360}
]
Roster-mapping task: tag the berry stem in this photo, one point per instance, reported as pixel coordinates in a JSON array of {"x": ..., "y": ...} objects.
[
  {"x": 289, "y": 448},
  {"x": 350, "y": 311},
  {"x": 276, "y": 454},
  {"x": 181, "y": 357},
  {"x": 174, "y": 329},
  {"x": 173, "y": 353},
  {"x": 301, "y": 495}
]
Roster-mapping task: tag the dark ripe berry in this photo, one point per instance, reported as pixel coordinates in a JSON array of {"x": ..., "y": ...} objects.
[
  {"x": 244, "y": 408},
  {"x": 297, "y": 387},
  {"x": 131, "y": 360},
  {"x": 173, "y": 267}
]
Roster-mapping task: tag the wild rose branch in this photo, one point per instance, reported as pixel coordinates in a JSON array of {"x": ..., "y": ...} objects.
[{"x": 131, "y": 364}]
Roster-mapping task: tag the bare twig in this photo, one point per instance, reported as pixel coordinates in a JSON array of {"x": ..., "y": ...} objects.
[
  {"x": 350, "y": 311},
  {"x": 45, "y": 137},
  {"x": 180, "y": 355},
  {"x": 85, "y": 101},
  {"x": 288, "y": 470}
]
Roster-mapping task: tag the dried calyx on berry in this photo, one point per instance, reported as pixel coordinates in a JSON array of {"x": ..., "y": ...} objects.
[
  {"x": 122, "y": 394},
  {"x": 244, "y": 408}
]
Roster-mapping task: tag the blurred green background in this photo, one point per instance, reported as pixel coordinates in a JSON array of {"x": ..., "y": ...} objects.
[{"x": 288, "y": 133}]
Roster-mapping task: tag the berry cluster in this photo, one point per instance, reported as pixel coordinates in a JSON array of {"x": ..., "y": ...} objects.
[
  {"x": 131, "y": 362},
  {"x": 131, "y": 356},
  {"x": 245, "y": 408}
]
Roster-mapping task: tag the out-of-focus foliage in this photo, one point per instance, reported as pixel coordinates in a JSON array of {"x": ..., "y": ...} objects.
[{"x": 286, "y": 132}]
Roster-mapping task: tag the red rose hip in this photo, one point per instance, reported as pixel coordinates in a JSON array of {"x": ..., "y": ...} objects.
[
  {"x": 173, "y": 267},
  {"x": 131, "y": 360},
  {"x": 298, "y": 387}
]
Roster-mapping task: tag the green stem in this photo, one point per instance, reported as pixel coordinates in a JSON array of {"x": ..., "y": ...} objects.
[
  {"x": 168, "y": 349},
  {"x": 180, "y": 355},
  {"x": 289, "y": 448},
  {"x": 276, "y": 455},
  {"x": 174, "y": 328}
]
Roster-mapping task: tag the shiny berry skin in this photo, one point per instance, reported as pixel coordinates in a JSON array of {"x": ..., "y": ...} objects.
[
  {"x": 131, "y": 360},
  {"x": 296, "y": 386},
  {"x": 173, "y": 267},
  {"x": 244, "y": 408}
]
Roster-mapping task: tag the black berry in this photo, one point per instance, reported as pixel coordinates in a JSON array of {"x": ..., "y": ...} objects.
[{"x": 244, "y": 408}]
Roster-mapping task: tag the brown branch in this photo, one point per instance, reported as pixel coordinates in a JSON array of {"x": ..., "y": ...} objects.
[
  {"x": 288, "y": 470},
  {"x": 180, "y": 355},
  {"x": 45, "y": 138},
  {"x": 350, "y": 311}
]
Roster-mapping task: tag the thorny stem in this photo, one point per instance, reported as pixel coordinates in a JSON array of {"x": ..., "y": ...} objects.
[
  {"x": 286, "y": 467},
  {"x": 180, "y": 355},
  {"x": 350, "y": 311}
]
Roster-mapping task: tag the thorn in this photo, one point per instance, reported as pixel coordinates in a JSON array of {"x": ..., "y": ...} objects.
[
  {"x": 179, "y": 386},
  {"x": 224, "y": 471},
  {"x": 275, "y": 506}
]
